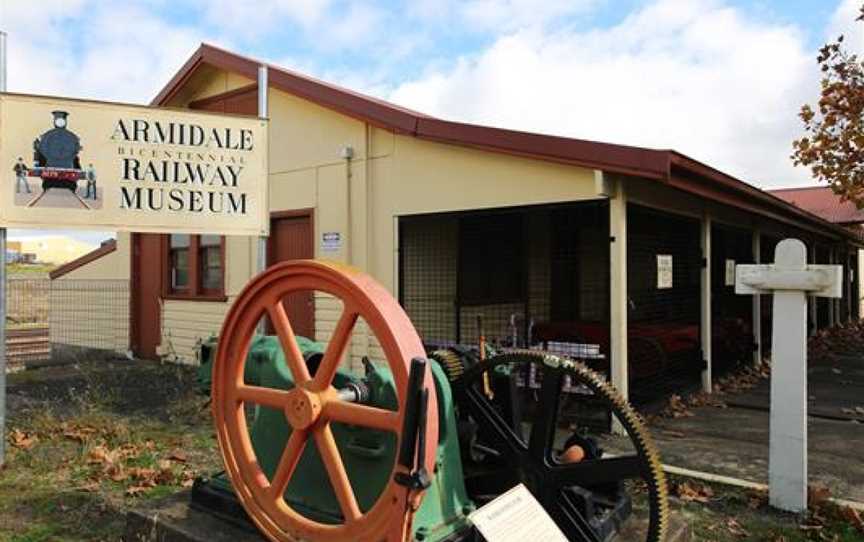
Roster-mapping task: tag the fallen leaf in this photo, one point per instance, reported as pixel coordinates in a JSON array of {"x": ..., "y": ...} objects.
[
  {"x": 22, "y": 440},
  {"x": 79, "y": 433},
  {"x": 817, "y": 496},
  {"x": 757, "y": 499},
  {"x": 853, "y": 517},
  {"x": 140, "y": 473},
  {"x": 117, "y": 473},
  {"x": 735, "y": 528},
  {"x": 178, "y": 456},
  {"x": 90, "y": 487},
  {"x": 693, "y": 492},
  {"x": 101, "y": 455},
  {"x": 134, "y": 491}
]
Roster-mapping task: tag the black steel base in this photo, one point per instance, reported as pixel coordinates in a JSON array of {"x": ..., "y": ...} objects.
[
  {"x": 208, "y": 497},
  {"x": 212, "y": 499}
]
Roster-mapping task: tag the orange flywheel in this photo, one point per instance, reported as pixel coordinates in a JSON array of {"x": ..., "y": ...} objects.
[{"x": 313, "y": 403}]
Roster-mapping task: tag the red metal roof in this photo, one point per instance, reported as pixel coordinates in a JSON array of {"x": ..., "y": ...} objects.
[
  {"x": 822, "y": 201},
  {"x": 666, "y": 166}
]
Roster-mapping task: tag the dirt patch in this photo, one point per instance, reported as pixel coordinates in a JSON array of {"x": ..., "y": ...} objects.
[
  {"x": 723, "y": 514},
  {"x": 87, "y": 442}
]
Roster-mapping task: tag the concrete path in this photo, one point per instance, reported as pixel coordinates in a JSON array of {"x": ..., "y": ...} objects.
[{"x": 733, "y": 441}]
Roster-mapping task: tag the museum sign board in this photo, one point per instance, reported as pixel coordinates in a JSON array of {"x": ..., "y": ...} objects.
[{"x": 105, "y": 166}]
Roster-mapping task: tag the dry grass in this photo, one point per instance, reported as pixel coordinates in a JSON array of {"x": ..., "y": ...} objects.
[{"x": 76, "y": 461}]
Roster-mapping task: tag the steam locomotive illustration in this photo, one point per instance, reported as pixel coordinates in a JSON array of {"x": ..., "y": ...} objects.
[{"x": 55, "y": 156}]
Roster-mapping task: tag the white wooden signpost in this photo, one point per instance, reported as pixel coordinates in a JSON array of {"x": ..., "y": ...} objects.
[{"x": 791, "y": 280}]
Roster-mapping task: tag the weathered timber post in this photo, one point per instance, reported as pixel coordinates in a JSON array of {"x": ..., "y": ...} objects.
[{"x": 791, "y": 280}]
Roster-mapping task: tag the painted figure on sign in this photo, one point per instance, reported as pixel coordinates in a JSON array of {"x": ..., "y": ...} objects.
[
  {"x": 20, "y": 169},
  {"x": 90, "y": 175}
]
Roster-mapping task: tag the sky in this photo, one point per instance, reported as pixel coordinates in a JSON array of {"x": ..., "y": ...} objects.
[{"x": 719, "y": 80}]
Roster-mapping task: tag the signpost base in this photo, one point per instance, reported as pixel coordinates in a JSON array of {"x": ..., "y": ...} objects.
[{"x": 787, "y": 466}]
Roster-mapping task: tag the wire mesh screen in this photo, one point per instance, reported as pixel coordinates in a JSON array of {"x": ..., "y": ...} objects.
[
  {"x": 52, "y": 320},
  {"x": 852, "y": 282},
  {"x": 823, "y": 304},
  {"x": 522, "y": 275},
  {"x": 573, "y": 280},
  {"x": 664, "y": 262},
  {"x": 845, "y": 303},
  {"x": 767, "y": 244},
  {"x": 732, "y": 340},
  {"x": 90, "y": 314}
]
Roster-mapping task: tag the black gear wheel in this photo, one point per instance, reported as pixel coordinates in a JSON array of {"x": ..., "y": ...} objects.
[{"x": 533, "y": 460}]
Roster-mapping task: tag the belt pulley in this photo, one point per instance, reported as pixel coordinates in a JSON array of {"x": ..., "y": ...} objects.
[{"x": 313, "y": 405}]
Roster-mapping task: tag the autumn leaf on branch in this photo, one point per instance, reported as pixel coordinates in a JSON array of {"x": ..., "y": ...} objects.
[{"x": 833, "y": 144}]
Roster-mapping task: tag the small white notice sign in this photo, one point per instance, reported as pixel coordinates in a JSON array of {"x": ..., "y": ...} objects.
[
  {"x": 516, "y": 516},
  {"x": 331, "y": 241},
  {"x": 730, "y": 273},
  {"x": 664, "y": 271}
]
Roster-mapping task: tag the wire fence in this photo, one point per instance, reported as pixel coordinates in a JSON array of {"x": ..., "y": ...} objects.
[
  {"x": 497, "y": 271},
  {"x": 52, "y": 321},
  {"x": 732, "y": 339},
  {"x": 664, "y": 265}
]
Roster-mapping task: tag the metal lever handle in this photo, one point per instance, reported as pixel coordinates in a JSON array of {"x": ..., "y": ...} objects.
[{"x": 414, "y": 429}]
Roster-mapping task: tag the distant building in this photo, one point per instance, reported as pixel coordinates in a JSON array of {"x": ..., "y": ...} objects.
[
  {"x": 823, "y": 202},
  {"x": 55, "y": 250},
  {"x": 13, "y": 252}
]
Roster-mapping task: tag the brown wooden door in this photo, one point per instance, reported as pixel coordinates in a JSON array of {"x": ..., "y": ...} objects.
[
  {"x": 291, "y": 239},
  {"x": 146, "y": 291}
]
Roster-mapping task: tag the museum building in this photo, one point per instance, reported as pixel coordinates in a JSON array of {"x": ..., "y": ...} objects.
[{"x": 530, "y": 239}]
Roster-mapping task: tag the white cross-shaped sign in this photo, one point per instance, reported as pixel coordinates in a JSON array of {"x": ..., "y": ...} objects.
[{"x": 791, "y": 280}]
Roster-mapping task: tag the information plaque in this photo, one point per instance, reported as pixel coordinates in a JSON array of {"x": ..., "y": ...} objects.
[{"x": 516, "y": 516}]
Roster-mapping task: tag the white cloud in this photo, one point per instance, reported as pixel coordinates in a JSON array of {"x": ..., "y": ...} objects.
[
  {"x": 93, "y": 49},
  {"x": 843, "y": 22},
  {"x": 509, "y": 14},
  {"x": 258, "y": 18},
  {"x": 694, "y": 75}
]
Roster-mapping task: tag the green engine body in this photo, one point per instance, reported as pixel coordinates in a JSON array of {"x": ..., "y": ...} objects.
[{"x": 368, "y": 454}]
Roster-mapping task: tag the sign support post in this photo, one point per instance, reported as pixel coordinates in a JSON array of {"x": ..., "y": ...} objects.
[
  {"x": 2, "y": 288},
  {"x": 790, "y": 279},
  {"x": 263, "y": 87}
]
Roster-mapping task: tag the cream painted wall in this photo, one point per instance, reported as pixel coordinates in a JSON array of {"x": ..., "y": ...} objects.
[{"x": 185, "y": 324}]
